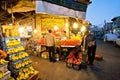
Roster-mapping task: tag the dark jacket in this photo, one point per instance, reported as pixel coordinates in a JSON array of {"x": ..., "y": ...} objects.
[{"x": 90, "y": 40}]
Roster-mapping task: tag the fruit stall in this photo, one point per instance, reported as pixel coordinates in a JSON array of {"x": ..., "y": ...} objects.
[
  {"x": 17, "y": 63},
  {"x": 68, "y": 32}
]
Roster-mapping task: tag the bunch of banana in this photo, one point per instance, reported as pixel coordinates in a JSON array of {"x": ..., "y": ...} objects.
[
  {"x": 22, "y": 55},
  {"x": 18, "y": 65},
  {"x": 21, "y": 48},
  {"x": 78, "y": 37},
  {"x": 13, "y": 50},
  {"x": 13, "y": 43},
  {"x": 25, "y": 54},
  {"x": 1, "y": 74},
  {"x": 19, "y": 56},
  {"x": 27, "y": 61},
  {"x": 23, "y": 63},
  {"x": 21, "y": 76},
  {"x": 26, "y": 75},
  {"x": 10, "y": 51},
  {"x": 8, "y": 43},
  {"x": 14, "y": 57},
  {"x": 2, "y": 61},
  {"x": 16, "y": 42},
  {"x": 31, "y": 70}
]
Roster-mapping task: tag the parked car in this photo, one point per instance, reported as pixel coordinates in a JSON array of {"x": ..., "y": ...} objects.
[
  {"x": 117, "y": 41},
  {"x": 110, "y": 37}
]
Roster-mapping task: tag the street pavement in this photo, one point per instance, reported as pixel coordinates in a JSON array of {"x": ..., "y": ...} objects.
[{"x": 106, "y": 69}]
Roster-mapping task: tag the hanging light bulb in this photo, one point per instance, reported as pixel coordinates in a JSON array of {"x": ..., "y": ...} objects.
[
  {"x": 35, "y": 31},
  {"x": 56, "y": 28},
  {"x": 83, "y": 29},
  {"x": 21, "y": 29},
  {"x": 75, "y": 25}
]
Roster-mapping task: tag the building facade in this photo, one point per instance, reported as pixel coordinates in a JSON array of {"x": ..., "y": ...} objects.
[{"x": 116, "y": 25}]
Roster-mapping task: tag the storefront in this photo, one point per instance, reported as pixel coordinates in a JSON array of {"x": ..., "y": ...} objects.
[{"x": 68, "y": 28}]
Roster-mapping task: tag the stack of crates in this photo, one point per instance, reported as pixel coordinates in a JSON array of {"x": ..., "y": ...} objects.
[{"x": 74, "y": 60}]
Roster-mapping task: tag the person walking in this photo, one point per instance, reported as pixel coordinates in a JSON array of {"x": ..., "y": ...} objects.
[
  {"x": 91, "y": 47},
  {"x": 50, "y": 45}
]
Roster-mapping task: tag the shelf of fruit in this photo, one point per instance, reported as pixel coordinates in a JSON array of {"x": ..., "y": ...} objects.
[
  {"x": 15, "y": 49},
  {"x": 72, "y": 42},
  {"x": 28, "y": 73},
  {"x": 18, "y": 56},
  {"x": 21, "y": 64},
  {"x": 13, "y": 41},
  {"x": 18, "y": 59},
  {"x": 25, "y": 73}
]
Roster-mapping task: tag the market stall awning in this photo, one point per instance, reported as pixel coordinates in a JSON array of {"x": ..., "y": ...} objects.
[
  {"x": 16, "y": 10},
  {"x": 62, "y": 7},
  {"x": 23, "y": 6}
]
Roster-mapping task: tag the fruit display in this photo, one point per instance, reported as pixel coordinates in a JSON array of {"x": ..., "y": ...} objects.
[
  {"x": 1, "y": 74},
  {"x": 2, "y": 62},
  {"x": 74, "y": 59},
  {"x": 74, "y": 41},
  {"x": 21, "y": 55},
  {"x": 13, "y": 43},
  {"x": 69, "y": 42},
  {"x": 58, "y": 43},
  {"x": 26, "y": 73},
  {"x": 10, "y": 30},
  {"x": 41, "y": 41},
  {"x": 19, "y": 63},
  {"x": 77, "y": 37},
  {"x": 14, "y": 50}
]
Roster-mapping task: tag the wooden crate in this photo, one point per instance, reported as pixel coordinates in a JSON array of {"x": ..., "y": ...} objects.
[{"x": 34, "y": 76}]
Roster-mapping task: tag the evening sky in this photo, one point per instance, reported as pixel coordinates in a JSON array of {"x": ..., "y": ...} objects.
[{"x": 100, "y": 11}]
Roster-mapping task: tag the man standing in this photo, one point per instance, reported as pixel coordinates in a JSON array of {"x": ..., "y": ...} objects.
[
  {"x": 91, "y": 47},
  {"x": 50, "y": 44}
]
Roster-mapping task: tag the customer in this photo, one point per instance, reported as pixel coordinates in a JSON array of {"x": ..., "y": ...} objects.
[
  {"x": 50, "y": 44},
  {"x": 91, "y": 47}
]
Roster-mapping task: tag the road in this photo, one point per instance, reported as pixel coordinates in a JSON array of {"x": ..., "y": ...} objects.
[
  {"x": 107, "y": 69},
  {"x": 110, "y": 66}
]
